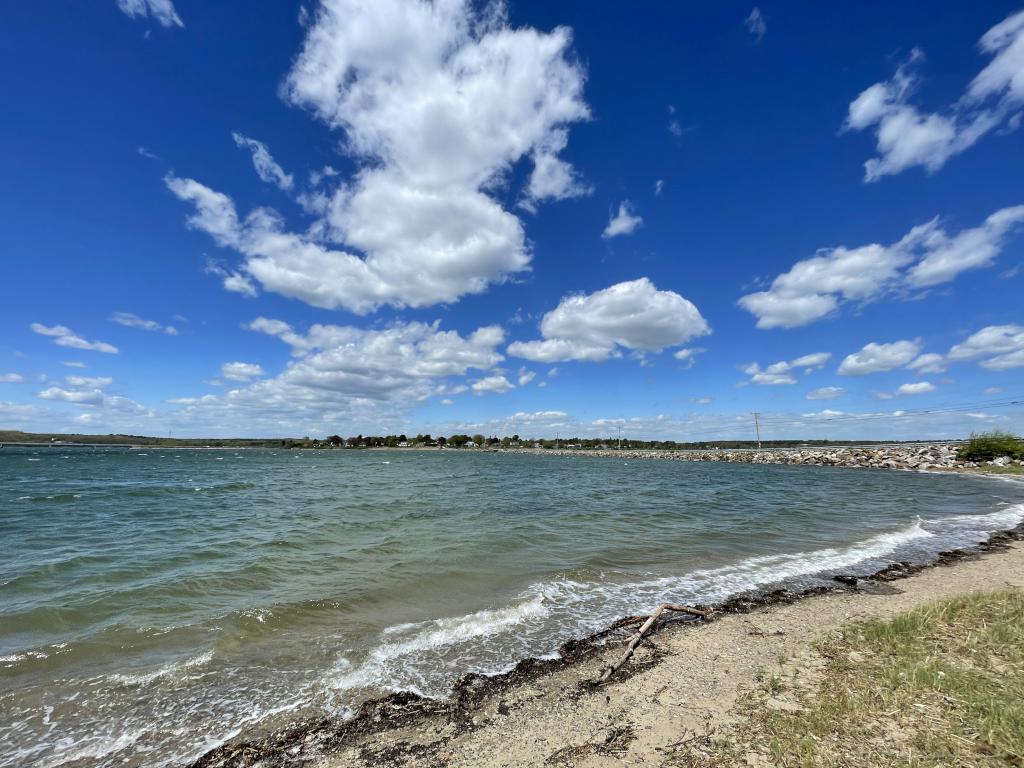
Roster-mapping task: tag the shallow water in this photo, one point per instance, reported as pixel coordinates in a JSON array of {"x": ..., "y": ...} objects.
[{"x": 154, "y": 603}]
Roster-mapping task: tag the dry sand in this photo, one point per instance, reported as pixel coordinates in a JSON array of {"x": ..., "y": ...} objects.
[{"x": 683, "y": 683}]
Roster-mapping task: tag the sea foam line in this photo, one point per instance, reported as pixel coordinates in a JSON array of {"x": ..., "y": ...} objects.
[{"x": 169, "y": 669}]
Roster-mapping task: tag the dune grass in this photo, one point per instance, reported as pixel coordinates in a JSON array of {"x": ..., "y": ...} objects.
[{"x": 942, "y": 685}]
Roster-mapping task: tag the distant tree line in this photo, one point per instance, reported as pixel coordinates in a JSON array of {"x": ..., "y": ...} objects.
[
  {"x": 15, "y": 436},
  {"x": 569, "y": 443}
]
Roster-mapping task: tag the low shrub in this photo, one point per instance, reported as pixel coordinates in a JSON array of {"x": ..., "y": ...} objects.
[{"x": 991, "y": 445}]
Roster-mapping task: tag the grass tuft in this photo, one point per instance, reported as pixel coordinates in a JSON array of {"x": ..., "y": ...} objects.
[{"x": 940, "y": 685}]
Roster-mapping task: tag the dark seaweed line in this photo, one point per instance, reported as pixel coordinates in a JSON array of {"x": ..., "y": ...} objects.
[{"x": 304, "y": 743}]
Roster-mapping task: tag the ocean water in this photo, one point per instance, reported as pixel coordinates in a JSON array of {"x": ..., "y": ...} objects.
[{"x": 154, "y": 603}]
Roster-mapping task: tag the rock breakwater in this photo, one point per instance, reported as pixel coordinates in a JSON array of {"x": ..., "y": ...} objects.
[{"x": 936, "y": 456}]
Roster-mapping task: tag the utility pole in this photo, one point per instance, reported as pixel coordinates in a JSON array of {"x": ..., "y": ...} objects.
[
  {"x": 620, "y": 436},
  {"x": 757, "y": 427}
]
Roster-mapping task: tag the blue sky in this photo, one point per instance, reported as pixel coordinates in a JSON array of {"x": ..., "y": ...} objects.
[{"x": 401, "y": 216}]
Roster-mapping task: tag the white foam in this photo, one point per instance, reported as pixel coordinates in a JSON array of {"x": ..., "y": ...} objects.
[
  {"x": 96, "y": 747},
  {"x": 713, "y": 584},
  {"x": 771, "y": 569},
  {"x": 1000, "y": 520},
  {"x": 428, "y": 636},
  {"x": 169, "y": 669},
  {"x": 15, "y": 658}
]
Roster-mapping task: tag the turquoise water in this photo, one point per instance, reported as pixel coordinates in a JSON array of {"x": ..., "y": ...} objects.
[{"x": 154, "y": 603}]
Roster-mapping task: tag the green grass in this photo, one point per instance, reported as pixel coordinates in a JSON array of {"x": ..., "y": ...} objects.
[
  {"x": 991, "y": 445},
  {"x": 1011, "y": 470},
  {"x": 941, "y": 685}
]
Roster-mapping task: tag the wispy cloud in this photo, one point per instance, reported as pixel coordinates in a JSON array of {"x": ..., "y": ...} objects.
[
  {"x": 65, "y": 337},
  {"x": 162, "y": 11},
  {"x": 925, "y": 257},
  {"x": 266, "y": 167},
  {"x": 756, "y": 25},
  {"x": 907, "y": 137},
  {"x": 130, "y": 320}
]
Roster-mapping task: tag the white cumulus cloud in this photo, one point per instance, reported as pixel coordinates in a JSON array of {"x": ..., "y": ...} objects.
[
  {"x": 622, "y": 222},
  {"x": 782, "y": 372},
  {"x": 812, "y": 361},
  {"x": 492, "y": 384},
  {"x": 11, "y": 378},
  {"x": 632, "y": 315},
  {"x": 876, "y": 358},
  {"x": 1002, "y": 346},
  {"x": 916, "y": 388},
  {"x": 929, "y": 362},
  {"x": 436, "y": 102},
  {"x": 367, "y": 379},
  {"x": 774, "y": 374},
  {"x": 237, "y": 371}
]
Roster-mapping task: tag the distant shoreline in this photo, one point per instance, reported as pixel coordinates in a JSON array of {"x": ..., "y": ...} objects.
[{"x": 918, "y": 456}]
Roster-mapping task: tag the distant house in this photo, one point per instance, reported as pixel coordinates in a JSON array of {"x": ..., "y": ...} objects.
[
  {"x": 537, "y": 445},
  {"x": 403, "y": 444},
  {"x": 471, "y": 444}
]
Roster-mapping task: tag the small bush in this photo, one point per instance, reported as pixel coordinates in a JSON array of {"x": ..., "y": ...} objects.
[{"x": 991, "y": 445}]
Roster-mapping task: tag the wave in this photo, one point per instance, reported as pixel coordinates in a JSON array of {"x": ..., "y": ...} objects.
[
  {"x": 143, "y": 678},
  {"x": 169, "y": 490},
  {"x": 1000, "y": 520},
  {"x": 42, "y": 497},
  {"x": 416, "y": 656},
  {"x": 708, "y": 585},
  {"x": 94, "y": 747},
  {"x": 380, "y": 670}
]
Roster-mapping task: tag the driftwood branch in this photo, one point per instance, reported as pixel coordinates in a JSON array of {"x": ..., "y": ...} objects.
[{"x": 648, "y": 624}]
